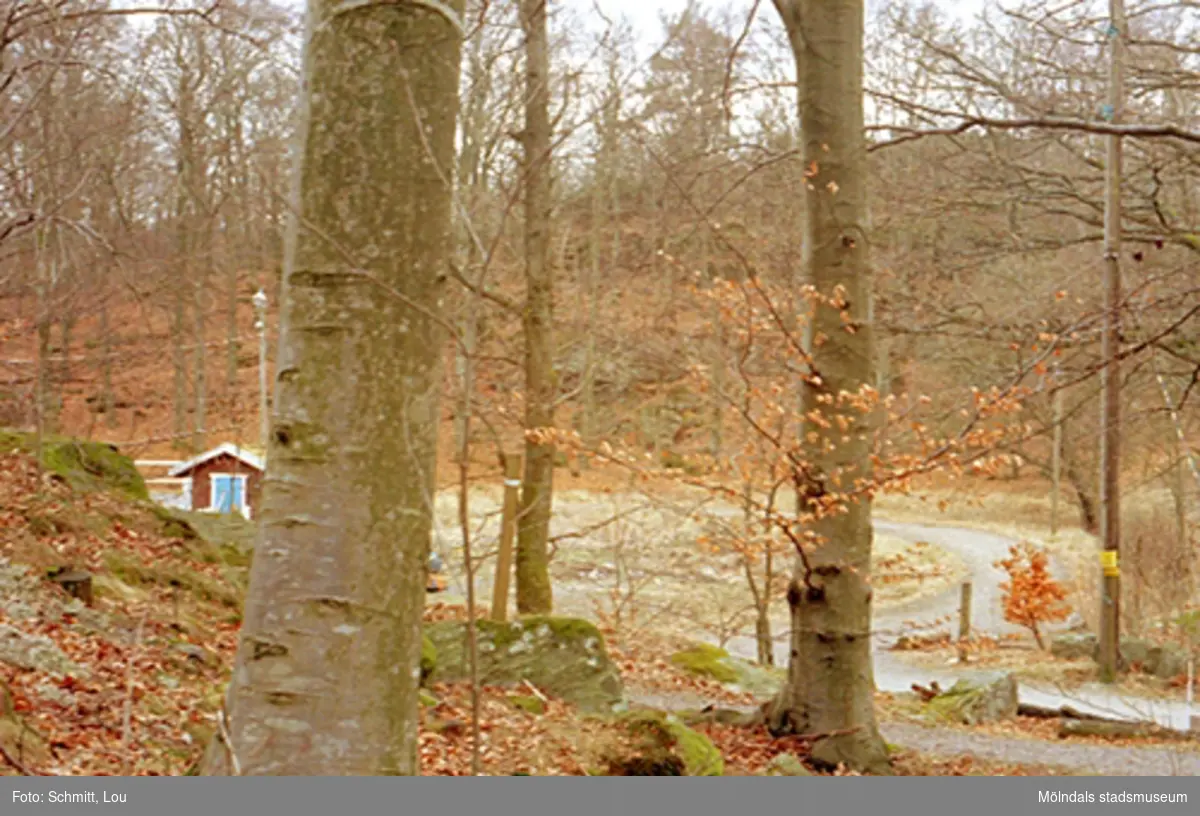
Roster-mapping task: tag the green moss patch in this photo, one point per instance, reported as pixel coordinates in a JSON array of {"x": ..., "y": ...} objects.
[
  {"x": 705, "y": 660},
  {"x": 201, "y": 586},
  {"x": 974, "y": 702},
  {"x": 665, "y": 747},
  {"x": 714, "y": 663},
  {"x": 527, "y": 703}
]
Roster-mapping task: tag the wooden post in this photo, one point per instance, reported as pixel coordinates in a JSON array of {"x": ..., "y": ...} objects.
[
  {"x": 508, "y": 531},
  {"x": 964, "y": 622},
  {"x": 1193, "y": 720}
]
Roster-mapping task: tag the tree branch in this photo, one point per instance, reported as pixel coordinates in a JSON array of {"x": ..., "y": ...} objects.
[{"x": 1045, "y": 123}]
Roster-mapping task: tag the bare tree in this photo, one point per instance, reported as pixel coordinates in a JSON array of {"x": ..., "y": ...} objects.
[
  {"x": 534, "y": 591},
  {"x": 328, "y": 664},
  {"x": 830, "y": 687}
]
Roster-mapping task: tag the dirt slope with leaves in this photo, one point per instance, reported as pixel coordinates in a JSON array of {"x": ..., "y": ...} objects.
[{"x": 129, "y": 684}]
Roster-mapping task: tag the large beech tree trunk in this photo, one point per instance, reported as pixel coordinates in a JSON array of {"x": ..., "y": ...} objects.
[
  {"x": 830, "y": 684},
  {"x": 327, "y": 670},
  {"x": 534, "y": 593}
]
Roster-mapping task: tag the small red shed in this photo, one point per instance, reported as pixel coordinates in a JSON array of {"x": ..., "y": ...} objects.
[{"x": 226, "y": 479}]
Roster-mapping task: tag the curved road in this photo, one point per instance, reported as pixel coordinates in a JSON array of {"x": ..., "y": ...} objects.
[{"x": 979, "y": 551}]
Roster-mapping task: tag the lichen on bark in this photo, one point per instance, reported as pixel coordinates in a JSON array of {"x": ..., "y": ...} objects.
[{"x": 326, "y": 680}]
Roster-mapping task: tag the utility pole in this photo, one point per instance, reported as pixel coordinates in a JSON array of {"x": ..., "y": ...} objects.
[
  {"x": 260, "y": 325},
  {"x": 1056, "y": 460},
  {"x": 1110, "y": 423}
]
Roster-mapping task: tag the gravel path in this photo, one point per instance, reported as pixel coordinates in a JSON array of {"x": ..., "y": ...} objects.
[
  {"x": 949, "y": 743},
  {"x": 980, "y": 550},
  {"x": 1085, "y": 759}
]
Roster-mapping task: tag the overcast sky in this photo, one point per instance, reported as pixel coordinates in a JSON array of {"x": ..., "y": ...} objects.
[{"x": 644, "y": 14}]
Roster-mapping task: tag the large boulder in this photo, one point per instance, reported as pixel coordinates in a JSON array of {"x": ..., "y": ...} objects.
[
  {"x": 1163, "y": 661},
  {"x": 565, "y": 657},
  {"x": 663, "y": 746},
  {"x": 85, "y": 466},
  {"x": 978, "y": 701},
  {"x": 706, "y": 660}
]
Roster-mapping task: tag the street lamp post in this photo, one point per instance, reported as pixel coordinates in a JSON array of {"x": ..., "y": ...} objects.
[{"x": 260, "y": 325}]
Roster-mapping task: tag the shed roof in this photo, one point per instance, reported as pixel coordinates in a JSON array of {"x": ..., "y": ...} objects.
[{"x": 245, "y": 455}]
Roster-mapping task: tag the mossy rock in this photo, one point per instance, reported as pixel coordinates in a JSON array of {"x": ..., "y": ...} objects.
[
  {"x": 705, "y": 660},
  {"x": 85, "y": 466},
  {"x": 429, "y": 657},
  {"x": 1162, "y": 661},
  {"x": 714, "y": 663},
  {"x": 974, "y": 702},
  {"x": 1074, "y": 646},
  {"x": 565, "y": 657},
  {"x": 666, "y": 747}
]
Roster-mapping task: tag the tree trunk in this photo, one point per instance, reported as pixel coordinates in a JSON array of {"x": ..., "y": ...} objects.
[
  {"x": 107, "y": 402},
  {"x": 46, "y": 402},
  {"x": 327, "y": 671},
  {"x": 1088, "y": 514},
  {"x": 232, "y": 347},
  {"x": 831, "y": 683},
  {"x": 534, "y": 593},
  {"x": 64, "y": 366},
  {"x": 763, "y": 637},
  {"x": 178, "y": 363},
  {"x": 200, "y": 396}
]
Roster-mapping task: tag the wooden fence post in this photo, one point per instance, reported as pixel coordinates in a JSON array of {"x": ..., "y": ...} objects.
[
  {"x": 508, "y": 531},
  {"x": 964, "y": 622}
]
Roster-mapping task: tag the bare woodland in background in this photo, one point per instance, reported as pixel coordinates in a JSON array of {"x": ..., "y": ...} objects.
[{"x": 627, "y": 214}]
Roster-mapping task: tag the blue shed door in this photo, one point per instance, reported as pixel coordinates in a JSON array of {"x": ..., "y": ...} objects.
[
  {"x": 239, "y": 494},
  {"x": 222, "y": 492}
]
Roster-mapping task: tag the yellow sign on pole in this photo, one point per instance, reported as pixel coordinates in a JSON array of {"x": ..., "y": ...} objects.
[{"x": 1109, "y": 560}]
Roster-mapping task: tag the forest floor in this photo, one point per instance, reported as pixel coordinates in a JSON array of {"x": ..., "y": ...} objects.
[{"x": 131, "y": 682}]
